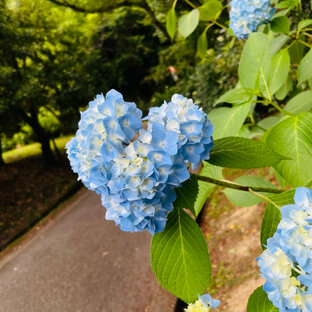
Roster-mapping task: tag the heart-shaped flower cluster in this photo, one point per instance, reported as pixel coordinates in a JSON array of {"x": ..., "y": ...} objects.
[
  {"x": 136, "y": 177},
  {"x": 247, "y": 15},
  {"x": 286, "y": 264}
]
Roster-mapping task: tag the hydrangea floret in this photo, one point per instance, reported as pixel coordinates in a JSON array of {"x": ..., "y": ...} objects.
[
  {"x": 203, "y": 304},
  {"x": 286, "y": 263},
  {"x": 136, "y": 177},
  {"x": 247, "y": 15}
]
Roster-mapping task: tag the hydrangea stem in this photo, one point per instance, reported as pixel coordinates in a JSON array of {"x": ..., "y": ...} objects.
[{"x": 237, "y": 186}]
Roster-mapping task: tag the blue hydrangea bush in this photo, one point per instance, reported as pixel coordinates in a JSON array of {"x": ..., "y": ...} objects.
[{"x": 155, "y": 172}]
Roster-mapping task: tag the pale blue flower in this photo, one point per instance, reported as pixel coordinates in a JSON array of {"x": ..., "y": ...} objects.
[{"x": 247, "y": 15}]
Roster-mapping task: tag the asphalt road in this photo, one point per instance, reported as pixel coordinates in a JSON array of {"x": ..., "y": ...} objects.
[{"x": 79, "y": 262}]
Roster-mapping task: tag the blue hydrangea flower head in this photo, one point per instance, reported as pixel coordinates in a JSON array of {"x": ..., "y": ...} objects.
[
  {"x": 203, "y": 304},
  {"x": 286, "y": 263},
  {"x": 186, "y": 123},
  {"x": 247, "y": 15}
]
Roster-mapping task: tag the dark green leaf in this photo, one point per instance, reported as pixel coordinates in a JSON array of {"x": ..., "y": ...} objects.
[
  {"x": 179, "y": 257},
  {"x": 280, "y": 24},
  {"x": 204, "y": 188},
  {"x": 270, "y": 221},
  {"x": 259, "y": 302},
  {"x": 242, "y": 153},
  {"x": 187, "y": 194}
]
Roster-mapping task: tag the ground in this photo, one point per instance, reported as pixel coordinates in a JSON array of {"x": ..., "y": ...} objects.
[
  {"x": 233, "y": 236},
  {"x": 28, "y": 191}
]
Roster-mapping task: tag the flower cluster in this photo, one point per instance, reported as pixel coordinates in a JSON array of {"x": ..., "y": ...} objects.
[
  {"x": 247, "y": 15},
  {"x": 203, "y": 304},
  {"x": 286, "y": 264},
  {"x": 136, "y": 174}
]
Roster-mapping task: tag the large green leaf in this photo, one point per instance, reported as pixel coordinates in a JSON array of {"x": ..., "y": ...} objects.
[
  {"x": 246, "y": 199},
  {"x": 255, "y": 63},
  {"x": 204, "y": 188},
  {"x": 188, "y": 23},
  {"x": 179, "y": 257},
  {"x": 171, "y": 22},
  {"x": 304, "y": 71},
  {"x": 259, "y": 302},
  {"x": 210, "y": 10},
  {"x": 187, "y": 194},
  {"x": 304, "y": 23},
  {"x": 292, "y": 137},
  {"x": 228, "y": 121},
  {"x": 235, "y": 96},
  {"x": 277, "y": 43},
  {"x": 242, "y": 153},
  {"x": 300, "y": 103},
  {"x": 279, "y": 71},
  {"x": 284, "y": 89}
]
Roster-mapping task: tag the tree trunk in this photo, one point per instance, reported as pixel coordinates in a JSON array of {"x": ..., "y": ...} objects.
[
  {"x": 2, "y": 163},
  {"x": 43, "y": 137}
]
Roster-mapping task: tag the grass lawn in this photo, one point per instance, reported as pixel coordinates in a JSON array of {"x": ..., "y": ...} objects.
[{"x": 32, "y": 150}]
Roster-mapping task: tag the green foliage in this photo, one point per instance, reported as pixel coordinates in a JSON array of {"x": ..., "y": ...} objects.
[
  {"x": 259, "y": 302},
  {"x": 171, "y": 22},
  {"x": 300, "y": 103},
  {"x": 270, "y": 221},
  {"x": 242, "y": 153},
  {"x": 305, "y": 68},
  {"x": 228, "y": 121},
  {"x": 280, "y": 24},
  {"x": 246, "y": 199},
  {"x": 180, "y": 258},
  {"x": 188, "y": 22},
  {"x": 292, "y": 138},
  {"x": 210, "y": 10},
  {"x": 236, "y": 96},
  {"x": 255, "y": 63},
  {"x": 186, "y": 195},
  {"x": 204, "y": 188}
]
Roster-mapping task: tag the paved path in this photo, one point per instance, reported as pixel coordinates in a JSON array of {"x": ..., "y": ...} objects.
[{"x": 80, "y": 262}]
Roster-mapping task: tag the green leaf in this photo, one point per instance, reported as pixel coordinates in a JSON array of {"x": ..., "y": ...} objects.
[
  {"x": 259, "y": 302},
  {"x": 285, "y": 89},
  {"x": 255, "y": 62},
  {"x": 280, "y": 24},
  {"x": 228, "y": 121},
  {"x": 187, "y": 194},
  {"x": 293, "y": 137},
  {"x": 272, "y": 214},
  {"x": 242, "y": 153},
  {"x": 188, "y": 23},
  {"x": 202, "y": 44},
  {"x": 179, "y": 257},
  {"x": 204, "y": 188},
  {"x": 210, "y": 10},
  {"x": 277, "y": 43},
  {"x": 235, "y": 96},
  {"x": 284, "y": 198},
  {"x": 269, "y": 122},
  {"x": 270, "y": 221},
  {"x": 300, "y": 103},
  {"x": 304, "y": 71},
  {"x": 171, "y": 22},
  {"x": 246, "y": 199},
  {"x": 304, "y": 23},
  {"x": 296, "y": 51},
  {"x": 279, "y": 70}
]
